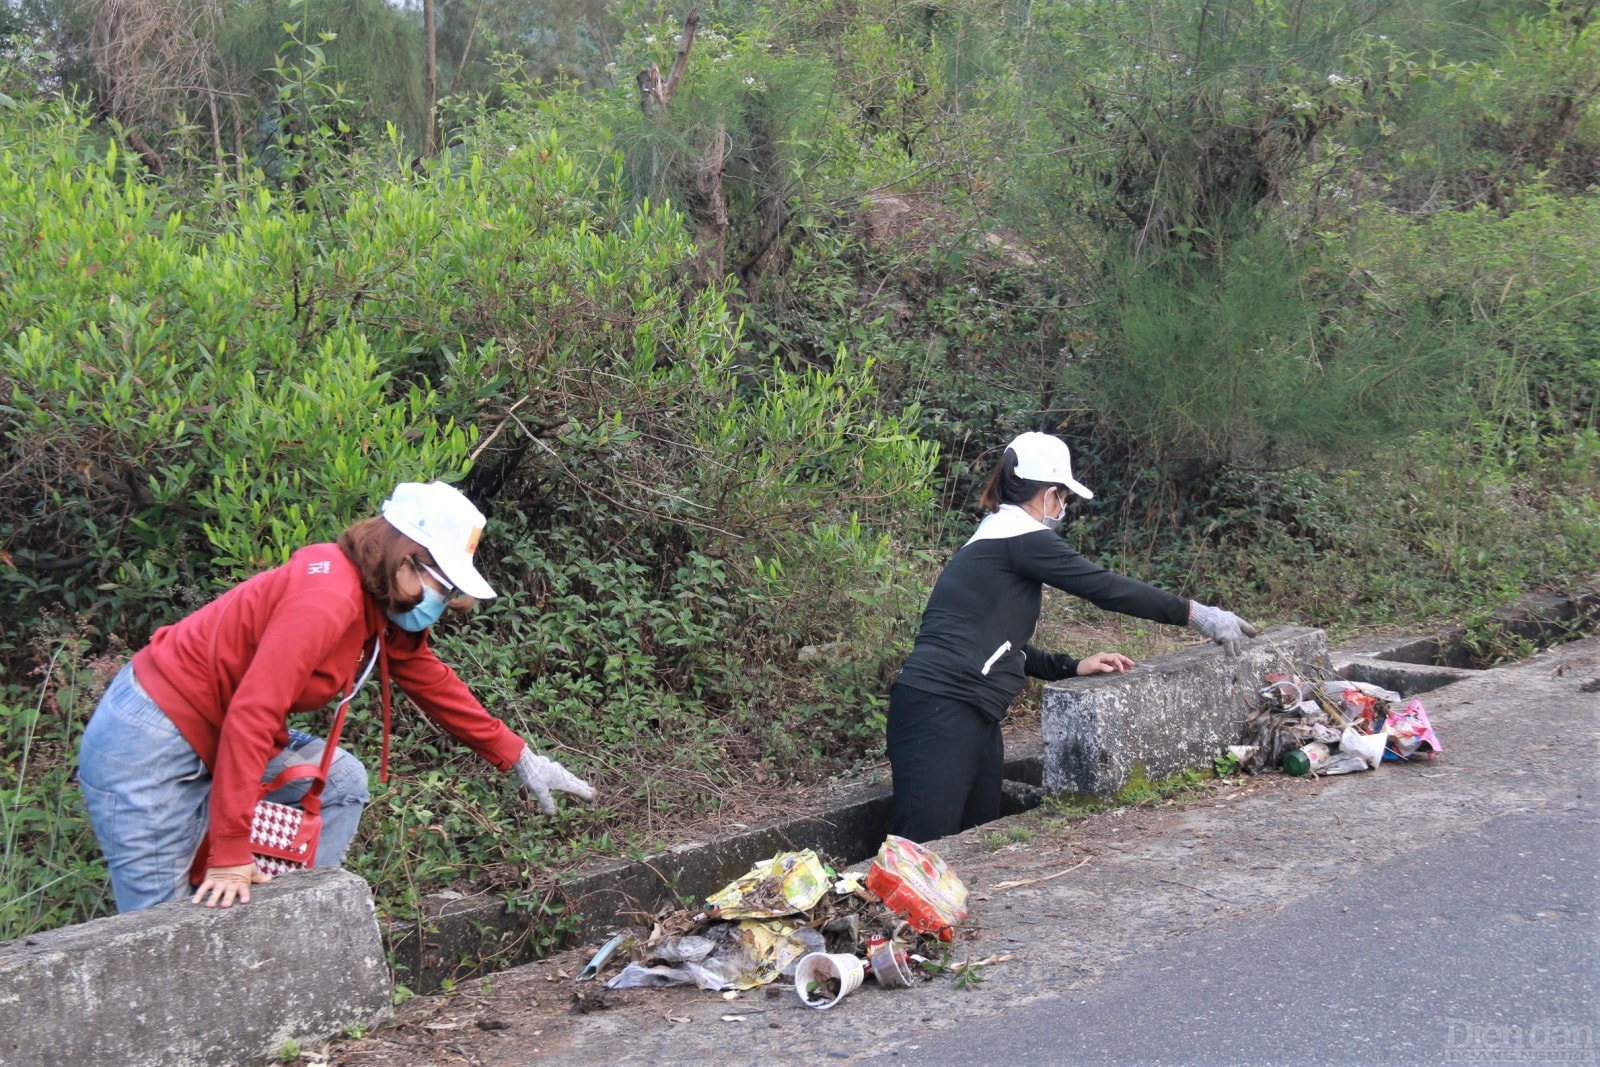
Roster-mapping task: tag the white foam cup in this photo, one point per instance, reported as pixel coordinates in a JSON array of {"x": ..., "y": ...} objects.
[{"x": 818, "y": 967}]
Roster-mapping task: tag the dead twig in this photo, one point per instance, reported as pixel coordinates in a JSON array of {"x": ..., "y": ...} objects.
[
  {"x": 487, "y": 441},
  {"x": 1046, "y": 878},
  {"x": 964, "y": 964}
]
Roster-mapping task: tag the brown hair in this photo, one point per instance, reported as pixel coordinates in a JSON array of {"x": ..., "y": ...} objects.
[
  {"x": 1004, "y": 487},
  {"x": 379, "y": 551}
]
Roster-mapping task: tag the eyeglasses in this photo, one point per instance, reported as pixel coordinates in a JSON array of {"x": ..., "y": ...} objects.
[{"x": 451, "y": 591}]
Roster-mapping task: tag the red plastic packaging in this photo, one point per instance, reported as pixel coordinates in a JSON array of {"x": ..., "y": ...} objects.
[{"x": 914, "y": 882}]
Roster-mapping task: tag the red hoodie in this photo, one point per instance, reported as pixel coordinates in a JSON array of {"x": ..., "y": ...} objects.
[{"x": 291, "y": 639}]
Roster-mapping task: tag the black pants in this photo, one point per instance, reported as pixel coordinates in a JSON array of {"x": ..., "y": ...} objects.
[{"x": 947, "y": 758}]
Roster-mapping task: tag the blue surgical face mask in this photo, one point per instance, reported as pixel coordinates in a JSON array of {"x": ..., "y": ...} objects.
[{"x": 425, "y": 614}]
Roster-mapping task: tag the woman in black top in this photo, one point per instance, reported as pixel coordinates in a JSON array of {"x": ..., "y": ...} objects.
[{"x": 972, "y": 654}]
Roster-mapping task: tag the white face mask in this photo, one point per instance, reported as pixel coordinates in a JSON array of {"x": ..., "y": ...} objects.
[{"x": 1053, "y": 522}]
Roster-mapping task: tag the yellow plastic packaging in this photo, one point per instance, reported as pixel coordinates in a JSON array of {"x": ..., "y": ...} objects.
[{"x": 787, "y": 883}]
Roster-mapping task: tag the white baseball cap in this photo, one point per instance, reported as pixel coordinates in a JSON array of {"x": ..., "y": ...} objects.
[
  {"x": 1042, "y": 457},
  {"x": 439, "y": 518}
]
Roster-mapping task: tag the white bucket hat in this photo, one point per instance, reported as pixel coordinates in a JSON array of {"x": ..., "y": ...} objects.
[
  {"x": 1042, "y": 457},
  {"x": 439, "y": 518}
]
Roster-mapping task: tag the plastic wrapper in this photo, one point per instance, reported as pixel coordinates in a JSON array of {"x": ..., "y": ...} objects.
[
  {"x": 850, "y": 883},
  {"x": 1411, "y": 736},
  {"x": 1361, "y": 703},
  {"x": 1328, "y": 735},
  {"x": 787, "y": 883},
  {"x": 742, "y": 956},
  {"x": 914, "y": 882},
  {"x": 1334, "y": 689},
  {"x": 1342, "y": 763}
]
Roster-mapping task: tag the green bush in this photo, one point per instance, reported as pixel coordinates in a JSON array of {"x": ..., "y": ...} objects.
[{"x": 1257, "y": 363}]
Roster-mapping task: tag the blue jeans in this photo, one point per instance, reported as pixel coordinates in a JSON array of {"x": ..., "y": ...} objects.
[{"x": 149, "y": 794}]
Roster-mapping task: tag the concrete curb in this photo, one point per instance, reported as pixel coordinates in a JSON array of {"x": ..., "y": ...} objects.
[
  {"x": 179, "y": 985},
  {"x": 1539, "y": 618}
]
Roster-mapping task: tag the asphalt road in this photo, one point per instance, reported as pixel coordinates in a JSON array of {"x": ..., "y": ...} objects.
[{"x": 1479, "y": 948}]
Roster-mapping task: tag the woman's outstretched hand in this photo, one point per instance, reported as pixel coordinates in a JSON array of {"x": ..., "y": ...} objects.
[
  {"x": 541, "y": 774},
  {"x": 223, "y": 884},
  {"x": 1105, "y": 663},
  {"x": 1223, "y": 627}
]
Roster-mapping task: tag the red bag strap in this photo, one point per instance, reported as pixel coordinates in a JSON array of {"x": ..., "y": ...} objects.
[{"x": 290, "y": 774}]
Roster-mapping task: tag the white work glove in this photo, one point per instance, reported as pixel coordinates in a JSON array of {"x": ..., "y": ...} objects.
[
  {"x": 540, "y": 775},
  {"x": 1223, "y": 627}
]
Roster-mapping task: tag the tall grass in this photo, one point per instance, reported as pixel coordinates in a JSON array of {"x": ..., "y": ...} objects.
[{"x": 50, "y": 867}]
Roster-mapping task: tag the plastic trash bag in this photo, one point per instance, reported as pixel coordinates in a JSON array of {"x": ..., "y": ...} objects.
[
  {"x": 638, "y": 976},
  {"x": 742, "y": 955},
  {"x": 687, "y": 948},
  {"x": 1342, "y": 763}
]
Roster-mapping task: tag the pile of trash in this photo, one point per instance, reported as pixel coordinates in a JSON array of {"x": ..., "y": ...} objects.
[
  {"x": 1329, "y": 727},
  {"x": 793, "y": 917}
]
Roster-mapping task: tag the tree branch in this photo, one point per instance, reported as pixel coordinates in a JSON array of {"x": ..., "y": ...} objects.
[
  {"x": 690, "y": 25},
  {"x": 466, "y": 49}
]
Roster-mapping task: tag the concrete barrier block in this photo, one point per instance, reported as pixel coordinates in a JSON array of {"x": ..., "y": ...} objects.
[
  {"x": 1171, "y": 713},
  {"x": 180, "y": 985}
]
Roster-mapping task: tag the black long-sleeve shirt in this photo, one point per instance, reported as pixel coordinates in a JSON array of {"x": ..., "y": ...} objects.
[{"x": 973, "y": 644}]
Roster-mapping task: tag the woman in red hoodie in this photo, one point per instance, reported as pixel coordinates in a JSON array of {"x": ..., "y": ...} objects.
[{"x": 176, "y": 754}]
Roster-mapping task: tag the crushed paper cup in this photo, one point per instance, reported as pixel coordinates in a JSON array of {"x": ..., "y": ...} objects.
[{"x": 1368, "y": 746}]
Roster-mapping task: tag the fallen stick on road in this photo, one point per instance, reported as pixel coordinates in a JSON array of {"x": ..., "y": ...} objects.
[{"x": 1046, "y": 878}]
